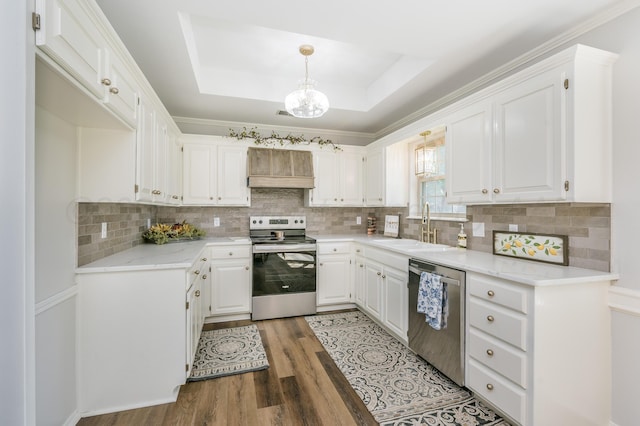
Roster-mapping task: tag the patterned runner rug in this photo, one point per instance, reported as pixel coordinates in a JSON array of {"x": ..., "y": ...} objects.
[
  {"x": 228, "y": 351},
  {"x": 398, "y": 387}
]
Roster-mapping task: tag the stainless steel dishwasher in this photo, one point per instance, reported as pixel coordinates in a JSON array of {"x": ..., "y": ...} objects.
[{"x": 444, "y": 349}]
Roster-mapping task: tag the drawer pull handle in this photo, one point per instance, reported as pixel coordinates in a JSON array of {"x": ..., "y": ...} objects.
[
  {"x": 490, "y": 352},
  {"x": 204, "y": 277},
  {"x": 197, "y": 293},
  {"x": 196, "y": 272},
  {"x": 489, "y": 386},
  {"x": 490, "y": 293},
  {"x": 490, "y": 318},
  {"x": 285, "y": 286}
]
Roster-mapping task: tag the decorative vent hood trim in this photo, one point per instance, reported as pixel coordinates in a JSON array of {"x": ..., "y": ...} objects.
[{"x": 279, "y": 168}]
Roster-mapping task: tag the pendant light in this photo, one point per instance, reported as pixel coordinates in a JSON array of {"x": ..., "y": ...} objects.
[{"x": 306, "y": 101}]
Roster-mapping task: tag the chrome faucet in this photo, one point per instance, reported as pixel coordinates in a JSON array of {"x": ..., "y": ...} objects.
[{"x": 427, "y": 235}]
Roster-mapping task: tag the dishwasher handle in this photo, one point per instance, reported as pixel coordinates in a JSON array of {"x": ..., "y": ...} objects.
[{"x": 446, "y": 280}]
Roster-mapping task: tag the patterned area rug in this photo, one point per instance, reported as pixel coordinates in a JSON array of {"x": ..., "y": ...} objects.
[
  {"x": 398, "y": 387},
  {"x": 228, "y": 351}
]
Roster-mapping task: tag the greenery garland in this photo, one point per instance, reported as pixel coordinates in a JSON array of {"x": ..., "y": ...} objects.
[{"x": 275, "y": 138}]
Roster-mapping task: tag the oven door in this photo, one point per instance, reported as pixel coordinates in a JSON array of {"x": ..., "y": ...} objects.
[{"x": 284, "y": 272}]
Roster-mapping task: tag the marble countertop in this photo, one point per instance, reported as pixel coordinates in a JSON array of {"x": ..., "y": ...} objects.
[
  {"x": 521, "y": 271},
  {"x": 152, "y": 256},
  {"x": 184, "y": 254}
]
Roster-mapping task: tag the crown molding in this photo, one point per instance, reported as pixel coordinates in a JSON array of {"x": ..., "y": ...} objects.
[
  {"x": 221, "y": 128},
  {"x": 594, "y": 22}
]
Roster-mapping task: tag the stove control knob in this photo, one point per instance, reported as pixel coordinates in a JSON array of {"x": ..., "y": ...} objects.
[
  {"x": 295, "y": 221},
  {"x": 260, "y": 222},
  {"x": 254, "y": 221},
  {"x": 301, "y": 221}
]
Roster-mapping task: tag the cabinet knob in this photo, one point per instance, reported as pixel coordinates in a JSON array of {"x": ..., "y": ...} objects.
[
  {"x": 197, "y": 293},
  {"x": 230, "y": 253},
  {"x": 321, "y": 264},
  {"x": 490, "y": 352},
  {"x": 361, "y": 265},
  {"x": 175, "y": 197},
  {"x": 357, "y": 250},
  {"x": 490, "y": 293},
  {"x": 335, "y": 199},
  {"x": 196, "y": 272},
  {"x": 204, "y": 277},
  {"x": 106, "y": 82},
  {"x": 384, "y": 276},
  {"x": 485, "y": 191},
  {"x": 379, "y": 273},
  {"x": 490, "y": 318},
  {"x": 341, "y": 199},
  {"x": 379, "y": 199},
  {"x": 489, "y": 386},
  {"x": 335, "y": 249},
  {"x": 204, "y": 259},
  {"x": 211, "y": 198},
  {"x": 246, "y": 267},
  {"x": 219, "y": 198},
  {"x": 496, "y": 191},
  {"x": 114, "y": 90}
]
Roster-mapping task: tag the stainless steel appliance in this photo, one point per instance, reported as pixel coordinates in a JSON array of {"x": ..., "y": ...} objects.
[
  {"x": 444, "y": 349},
  {"x": 284, "y": 267}
]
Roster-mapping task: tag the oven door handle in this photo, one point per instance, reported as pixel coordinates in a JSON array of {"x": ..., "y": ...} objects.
[{"x": 282, "y": 248}]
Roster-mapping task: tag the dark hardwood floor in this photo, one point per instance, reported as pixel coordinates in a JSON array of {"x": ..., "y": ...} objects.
[{"x": 302, "y": 386}]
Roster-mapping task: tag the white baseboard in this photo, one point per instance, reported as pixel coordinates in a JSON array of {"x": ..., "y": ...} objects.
[
  {"x": 624, "y": 300},
  {"x": 73, "y": 419}
]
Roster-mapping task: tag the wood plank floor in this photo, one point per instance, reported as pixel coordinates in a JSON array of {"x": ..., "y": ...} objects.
[{"x": 302, "y": 386}]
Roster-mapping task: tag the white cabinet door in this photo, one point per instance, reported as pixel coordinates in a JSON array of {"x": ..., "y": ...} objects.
[
  {"x": 232, "y": 176},
  {"x": 334, "y": 284},
  {"x": 396, "y": 300},
  {"x": 350, "y": 189},
  {"x": 69, "y": 36},
  {"x": 325, "y": 192},
  {"x": 160, "y": 163},
  {"x": 374, "y": 178},
  {"x": 373, "y": 289},
  {"x": 199, "y": 184},
  {"x": 146, "y": 152},
  {"x": 194, "y": 322},
  {"x": 469, "y": 154},
  {"x": 529, "y": 144},
  {"x": 120, "y": 91},
  {"x": 359, "y": 289},
  {"x": 231, "y": 286},
  {"x": 174, "y": 174}
]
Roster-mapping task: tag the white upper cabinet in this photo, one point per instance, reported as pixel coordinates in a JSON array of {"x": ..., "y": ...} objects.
[
  {"x": 214, "y": 173},
  {"x": 338, "y": 178},
  {"x": 386, "y": 182},
  {"x": 543, "y": 134},
  {"x": 70, "y": 35}
]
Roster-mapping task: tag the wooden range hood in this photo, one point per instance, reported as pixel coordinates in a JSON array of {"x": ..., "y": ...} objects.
[{"x": 279, "y": 168}]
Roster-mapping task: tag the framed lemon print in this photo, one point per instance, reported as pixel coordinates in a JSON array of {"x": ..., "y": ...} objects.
[{"x": 530, "y": 246}]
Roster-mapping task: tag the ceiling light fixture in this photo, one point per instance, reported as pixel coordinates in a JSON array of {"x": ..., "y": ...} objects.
[{"x": 306, "y": 101}]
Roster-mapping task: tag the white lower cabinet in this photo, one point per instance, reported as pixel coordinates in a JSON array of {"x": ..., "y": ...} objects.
[
  {"x": 381, "y": 288},
  {"x": 231, "y": 270},
  {"x": 539, "y": 354},
  {"x": 334, "y": 273}
]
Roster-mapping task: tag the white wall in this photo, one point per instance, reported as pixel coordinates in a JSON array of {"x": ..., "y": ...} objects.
[
  {"x": 16, "y": 215},
  {"x": 55, "y": 261}
]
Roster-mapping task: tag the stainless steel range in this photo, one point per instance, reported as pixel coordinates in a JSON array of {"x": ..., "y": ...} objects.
[{"x": 284, "y": 267}]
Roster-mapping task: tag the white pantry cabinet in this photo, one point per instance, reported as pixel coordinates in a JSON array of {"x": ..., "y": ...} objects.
[
  {"x": 73, "y": 35},
  {"x": 214, "y": 173},
  {"x": 338, "y": 178},
  {"x": 231, "y": 277},
  {"x": 528, "y": 349},
  {"x": 386, "y": 182},
  {"x": 543, "y": 134},
  {"x": 334, "y": 273}
]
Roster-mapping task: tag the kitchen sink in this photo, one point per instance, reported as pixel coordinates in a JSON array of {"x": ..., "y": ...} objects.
[{"x": 411, "y": 245}]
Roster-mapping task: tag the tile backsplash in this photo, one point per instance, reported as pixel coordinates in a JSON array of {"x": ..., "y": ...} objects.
[{"x": 587, "y": 225}]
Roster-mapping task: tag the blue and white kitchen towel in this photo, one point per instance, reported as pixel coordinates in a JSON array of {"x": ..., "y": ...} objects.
[{"x": 432, "y": 300}]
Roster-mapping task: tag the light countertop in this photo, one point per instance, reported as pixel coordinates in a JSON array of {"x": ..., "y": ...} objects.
[
  {"x": 518, "y": 270},
  {"x": 153, "y": 256}
]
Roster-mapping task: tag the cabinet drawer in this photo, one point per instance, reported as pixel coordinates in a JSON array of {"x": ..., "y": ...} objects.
[
  {"x": 197, "y": 270},
  {"x": 499, "y": 322},
  {"x": 334, "y": 248},
  {"x": 498, "y": 391},
  {"x": 498, "y": 356},
  {"x": 498, "y": 291},
  {"x": 230, "y": 252}
]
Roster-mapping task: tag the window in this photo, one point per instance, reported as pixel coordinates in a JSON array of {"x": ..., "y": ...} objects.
[{"x": 429, "y": 183}]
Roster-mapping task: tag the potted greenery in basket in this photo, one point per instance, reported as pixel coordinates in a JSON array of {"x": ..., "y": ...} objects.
[{"x": 162, "y": 233}]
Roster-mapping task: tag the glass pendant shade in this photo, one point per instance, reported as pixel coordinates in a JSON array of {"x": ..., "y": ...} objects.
[{"x": 306, "y": 102}]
